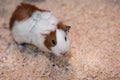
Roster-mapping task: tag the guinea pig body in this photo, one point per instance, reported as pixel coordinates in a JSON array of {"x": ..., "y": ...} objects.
[{"x": 40, "y": 28}]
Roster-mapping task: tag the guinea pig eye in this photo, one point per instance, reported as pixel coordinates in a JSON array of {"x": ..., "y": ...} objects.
[
  {"x": 65, "y": 38},
  {"x": 53, "y": 42}
]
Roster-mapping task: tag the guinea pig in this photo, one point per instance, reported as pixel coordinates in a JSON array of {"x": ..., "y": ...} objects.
[{"x": 31, "y": 25}]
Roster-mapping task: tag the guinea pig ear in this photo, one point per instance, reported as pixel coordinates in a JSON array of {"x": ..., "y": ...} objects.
[
  {"x": 64, "y": 27},
  {"x": 45, "y": 33},
  {"x": 67, "y": 28}
]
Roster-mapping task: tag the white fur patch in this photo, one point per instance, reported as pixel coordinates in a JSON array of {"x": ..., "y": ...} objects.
[
  {"x": 30, "y": 30},
  {"x": 62, "y": 46}
]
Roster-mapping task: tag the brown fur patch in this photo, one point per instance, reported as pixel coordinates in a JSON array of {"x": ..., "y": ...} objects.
[
  {"x": 48, "y": 40},
  {"x": 64, "y": 27},
  {"x": 22, "y": 12}
]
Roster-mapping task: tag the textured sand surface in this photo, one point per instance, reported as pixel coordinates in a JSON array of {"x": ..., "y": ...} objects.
[{"x": 95, "y": 48}]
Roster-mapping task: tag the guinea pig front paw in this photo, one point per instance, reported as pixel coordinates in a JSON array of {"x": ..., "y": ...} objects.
[{"x": 34, "y": 50}]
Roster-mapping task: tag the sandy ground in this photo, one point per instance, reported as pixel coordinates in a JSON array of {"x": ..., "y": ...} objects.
[{"x": 95, "y": 48}]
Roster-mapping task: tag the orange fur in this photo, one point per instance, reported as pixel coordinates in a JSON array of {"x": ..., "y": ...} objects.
[
  {"x": 22, "y": 12},
  {"x": 60, "y": 25},
  {"x": 49, "y": 38}
]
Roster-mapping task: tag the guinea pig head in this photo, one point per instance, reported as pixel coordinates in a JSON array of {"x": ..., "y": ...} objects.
[{"x": 58, "y": 41}]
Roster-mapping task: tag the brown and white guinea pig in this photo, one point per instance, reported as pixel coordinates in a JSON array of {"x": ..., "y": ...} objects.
[{"x": 39, "y": 27}]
